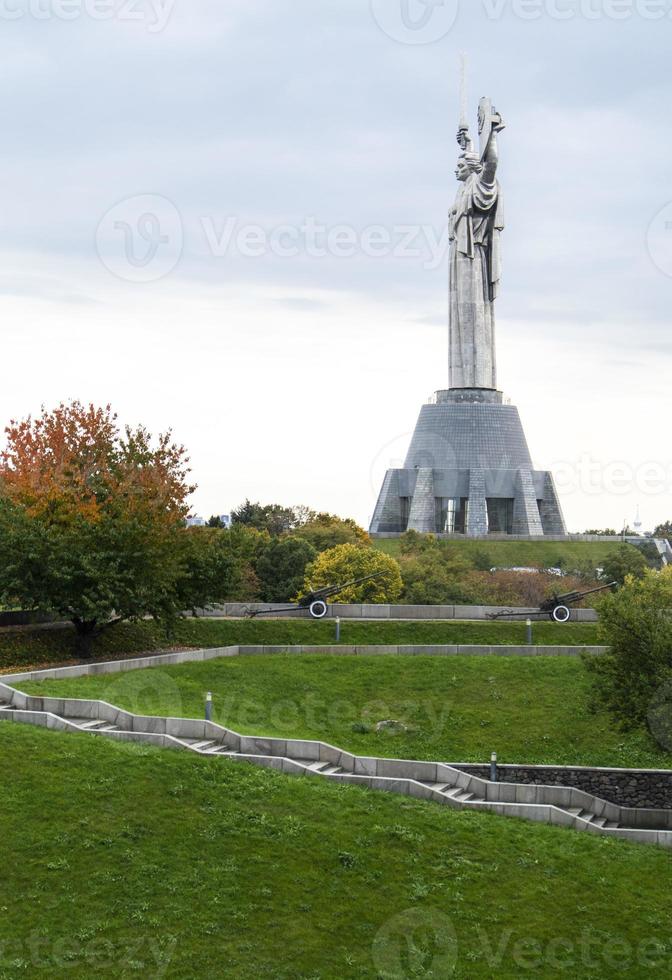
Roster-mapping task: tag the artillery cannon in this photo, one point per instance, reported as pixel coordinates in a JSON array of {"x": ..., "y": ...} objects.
[
  {"x": 316, "y": 601},
  {"x": 557, "y": 607}
]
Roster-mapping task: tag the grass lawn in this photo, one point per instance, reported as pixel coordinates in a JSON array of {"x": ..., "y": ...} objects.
[
  {"x": 20, "y": 648},
  {"x": 544, "y": 554},
  {"x": 124, "y": 861},
  {"x": 527, "y": 709}
]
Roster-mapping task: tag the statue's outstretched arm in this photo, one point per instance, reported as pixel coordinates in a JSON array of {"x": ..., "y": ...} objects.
[
  {"x": 491, "y": 156},
  {"x": 491, "y": 159}
]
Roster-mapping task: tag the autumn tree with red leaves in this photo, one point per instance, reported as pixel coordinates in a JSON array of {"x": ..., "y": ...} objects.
[{"x": 92, "y": 520}]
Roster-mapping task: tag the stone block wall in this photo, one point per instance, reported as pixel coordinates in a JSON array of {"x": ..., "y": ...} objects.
[{"x": 651, "y": 788}]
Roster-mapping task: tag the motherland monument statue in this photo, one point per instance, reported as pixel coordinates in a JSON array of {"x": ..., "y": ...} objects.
[
  {"x": 468, "y": 470},
  {"x": 475, "y": 223}
]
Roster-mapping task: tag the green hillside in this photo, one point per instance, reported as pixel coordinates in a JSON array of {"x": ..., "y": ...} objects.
[
  {"x": 527, "y": 709},
  {"x": 544, "y": 554},
  {"x": 121, "y": 862}
]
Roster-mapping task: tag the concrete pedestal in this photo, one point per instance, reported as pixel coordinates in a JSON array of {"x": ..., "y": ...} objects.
[{"x": 468, "y": 470}]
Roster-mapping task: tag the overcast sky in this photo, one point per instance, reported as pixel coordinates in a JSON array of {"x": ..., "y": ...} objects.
[{"x": 228, "y": 218}]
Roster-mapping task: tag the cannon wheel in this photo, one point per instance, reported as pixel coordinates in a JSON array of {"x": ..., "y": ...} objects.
[
  {"x": 318, "y": 609},
  {"x": 561, "y": 614}
]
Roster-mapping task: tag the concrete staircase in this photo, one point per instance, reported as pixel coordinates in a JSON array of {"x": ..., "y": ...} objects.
[{"x": 437, "y": 781}]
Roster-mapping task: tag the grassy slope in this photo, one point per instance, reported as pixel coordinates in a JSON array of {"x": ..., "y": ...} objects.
[
  {"x": 53, "y": 646},
  {"x": 218, "y": 869},
  {"x": 521, "y": 553},
  {"x": 533, "y": 710}
]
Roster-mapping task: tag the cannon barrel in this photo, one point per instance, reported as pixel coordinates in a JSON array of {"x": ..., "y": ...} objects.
[
  {"x": 330, "y": 590},
  {"x": 571, "y": 597}
]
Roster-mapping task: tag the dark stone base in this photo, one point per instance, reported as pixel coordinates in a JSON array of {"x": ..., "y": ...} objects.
[{"x": 650, "y": 788}]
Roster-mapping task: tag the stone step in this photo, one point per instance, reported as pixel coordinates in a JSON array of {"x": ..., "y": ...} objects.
[
  {"x": 577, "y": 811},
  {"x": 464, "y": 796},
  {"x": 204, "y": 744},
  {"x": 318, "y": 766},
  {"x": 331, "y": 770},
  {"x": 443, "y": 787},
  {"x": 611, "y": 824},
  {"x": 599, "y": 821},
  {"x": 453, "y": 792},
  {"x": 92, "y": 725}
]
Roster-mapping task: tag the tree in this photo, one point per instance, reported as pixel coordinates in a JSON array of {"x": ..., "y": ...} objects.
[
  {"x": 327, "y": 530},
  {"x": 663, "y": 530},
  {"x": 607, "y": 532},
  {"x": 245, "y": 545},
  {"x": 281, "y": 568},
  {"x": 429, "y": 579},
  {"x": 347, "y": 562},
  {"x": 210, "y": 571},
  {"x": 91, "y": 519},
  {"x": 636, "y": 624},
  {"x": 623, "y": 561},
  {"x": 273, "y": 518}
]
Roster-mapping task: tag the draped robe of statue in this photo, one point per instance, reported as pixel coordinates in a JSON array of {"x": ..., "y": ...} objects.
[{"x": 476, "y": 221}]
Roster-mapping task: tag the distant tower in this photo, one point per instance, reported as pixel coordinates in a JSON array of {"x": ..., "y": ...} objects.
[{"x": 638, "y": 523}]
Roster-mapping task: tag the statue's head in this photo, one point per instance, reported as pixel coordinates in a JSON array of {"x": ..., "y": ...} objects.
[{"x": 468, "y": 163}]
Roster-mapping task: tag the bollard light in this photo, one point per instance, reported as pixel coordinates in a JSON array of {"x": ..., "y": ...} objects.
[
  {"x": 529, "y": 632},
  {"x": 493, "y": 767},
  {"x": 338, "y": 628},
  {"x": 208, "y": 706}
]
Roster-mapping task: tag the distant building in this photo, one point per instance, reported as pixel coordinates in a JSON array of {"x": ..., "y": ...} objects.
[{"x": 195, "y": 521}]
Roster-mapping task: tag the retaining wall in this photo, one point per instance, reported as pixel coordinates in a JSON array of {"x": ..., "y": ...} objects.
[
  {"x": 359, "y": 610},
  {"x": 651, "y": 788},
  {"x": 638, "y": 788},
  {"x": 187, "y": 656}
]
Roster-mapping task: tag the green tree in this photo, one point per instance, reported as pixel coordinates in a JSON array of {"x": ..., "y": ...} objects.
[
  {"x": 663, "y": 530},
  {"x": 636, "y": 624},
  {"x": 347, "y": 562},
  {"x": 245, "y": 545},
  {"x": 281, "y": 568},
  {"x": 210, "y": 571},
  {"x": 91, "y": 519},
  {"x": 413, "y": 543},
  {"x": 273, "y": 518},
  {"x": 431, "y": 578},
  {"x": 623, "y": 561},
  {"x": 327, "y": 530}
]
